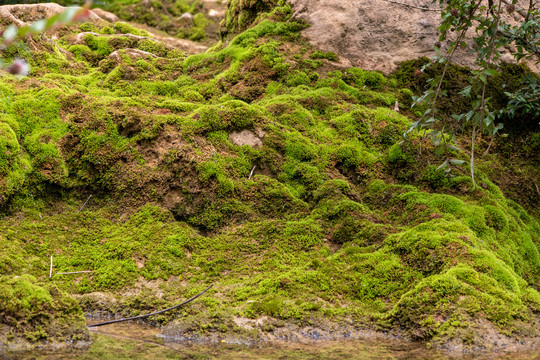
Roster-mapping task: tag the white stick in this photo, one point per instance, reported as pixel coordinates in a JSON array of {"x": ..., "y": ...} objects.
[
  {"x": 50, "y": 271},
  {"x": 251, "y": 173},
  {"x": 84, "y": 203}
]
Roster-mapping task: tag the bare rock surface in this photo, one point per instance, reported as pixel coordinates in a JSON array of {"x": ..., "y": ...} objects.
[
  {"x": 378, "y": 34},
  {"x": 245, "y": 137},
  {"x": 22, "y": 14},
  {"x": 105, "y": 15}
]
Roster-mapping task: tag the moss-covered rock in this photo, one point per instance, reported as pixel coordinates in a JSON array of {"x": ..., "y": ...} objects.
[
  {"x": 34, "y": 314},
  {"x": 327, "y": 217}
]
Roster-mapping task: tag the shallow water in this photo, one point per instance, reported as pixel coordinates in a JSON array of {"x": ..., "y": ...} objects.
[{"x": 134, "y": 341}]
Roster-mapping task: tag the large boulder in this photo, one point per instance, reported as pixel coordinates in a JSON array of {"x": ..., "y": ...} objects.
[{"x": 377, "y": 35}]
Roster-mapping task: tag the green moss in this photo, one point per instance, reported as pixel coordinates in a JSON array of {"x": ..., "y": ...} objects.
[
  {"x": 196, "y": 32},
  {"x": 325, "y": 55},
  {"x": 125, "y": 28},
  {"x": 39, "y": 314},
  {"x": 283, "y": 229},
  {"x": 231, "y": 115},
  {"x": 398, "y": 157},
  {"x": 240, "y": 15},
  {"x": 298, "y": 78},
  {"x": 354, "y": 156},
  {"x": 359, "y": 78},
  {"x": 98, "y": 44}
]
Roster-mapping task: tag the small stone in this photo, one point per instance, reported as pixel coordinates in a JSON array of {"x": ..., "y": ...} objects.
[
  {"x": 245, "y": 137},
  {"x": 215, "y": 13},
  {"x": 186, "y": 19},
  {"x": 105, "y": 15}
]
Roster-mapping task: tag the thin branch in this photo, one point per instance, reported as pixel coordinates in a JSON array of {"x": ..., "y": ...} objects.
[
  {"x": 472, "y": 157},
  {"x": 82, "y": 207},
  {"x": 489, "y": 146},
  {"x": 251, "y": 173},
  {"x": 448, "y": 60},
  {"x": 152, "y": 314},
  {"x": 50, "y": 270}
]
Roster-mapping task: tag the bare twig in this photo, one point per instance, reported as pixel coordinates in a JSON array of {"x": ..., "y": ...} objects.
[
  {"x": 82, "y": 207},
  {"x": 490, "y": 143},
  {"x": 483, "y": 100},
  {"x": 472, "y": 156},
  {"x": 251, "y": 173},
  {"x": 50, "y": 270},
  {"x": 154, "y": 313},
  {"x": 537, "y": 190}
]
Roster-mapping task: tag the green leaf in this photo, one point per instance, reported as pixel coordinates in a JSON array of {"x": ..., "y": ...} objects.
[
  {"x": 490, "y": 72},
  {"x": 437, "y": 139},
  {"x": 444, "y": 165},
  {"x": 456, "y": 162},
  {"x": 466, "y": 91}
]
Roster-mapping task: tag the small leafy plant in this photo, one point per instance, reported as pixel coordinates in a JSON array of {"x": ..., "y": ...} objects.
[{"x": 491, "y": 34}]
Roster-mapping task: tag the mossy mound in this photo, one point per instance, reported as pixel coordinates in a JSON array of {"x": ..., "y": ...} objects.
[
  {"x": 34, "y": 314},
  {"x": 185, "y": 19},
  {"x": 327, "y": 218}
]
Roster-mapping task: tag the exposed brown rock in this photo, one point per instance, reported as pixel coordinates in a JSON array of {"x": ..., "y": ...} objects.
[
  {"x": 378, "y": 34},
  {"x": 23, "y": 14},
  {"x": 105, "y": 15}
]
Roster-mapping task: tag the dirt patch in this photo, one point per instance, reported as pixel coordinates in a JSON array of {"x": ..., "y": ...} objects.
[{"x": 169, "y": 140}]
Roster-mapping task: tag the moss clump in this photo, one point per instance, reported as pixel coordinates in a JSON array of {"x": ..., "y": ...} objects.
[
  {"x": 167, "y": 16},
  {"x": 125, "y": 28},
  {"x": 329, "y": 55},
  {"x": 241, "y": 14},
  {"x": 38, "y": 314}
]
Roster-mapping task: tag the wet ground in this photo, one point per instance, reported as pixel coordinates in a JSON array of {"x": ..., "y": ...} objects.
[{"x": 134, "y": 341}]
